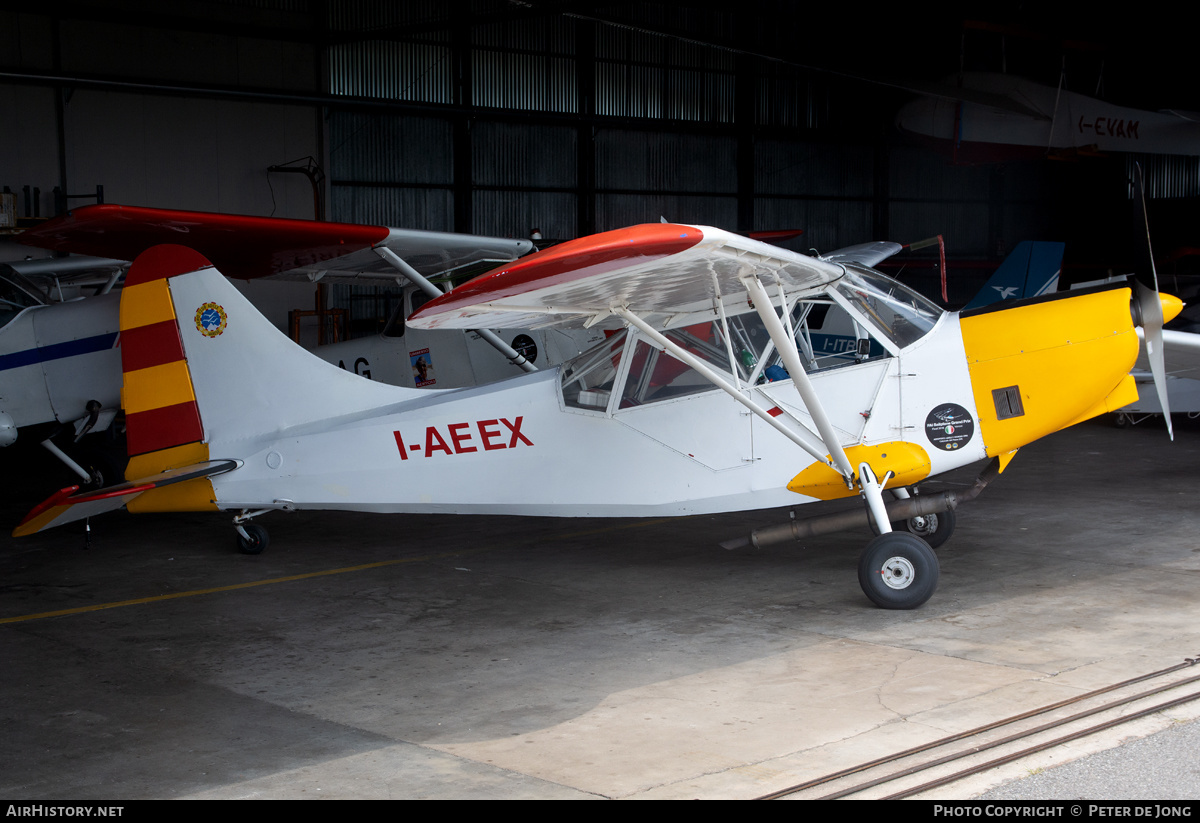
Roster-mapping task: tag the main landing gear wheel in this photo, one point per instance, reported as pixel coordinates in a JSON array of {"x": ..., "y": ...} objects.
[
  {"x": 258, "y": 542},
  {"x": 898, "y": 570},
  {"x": 934, "y": 529}
]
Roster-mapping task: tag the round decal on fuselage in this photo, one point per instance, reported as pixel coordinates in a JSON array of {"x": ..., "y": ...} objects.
[
  {"x": 949, "y": 426},
  {"x": 211, "y": 320},
  {"x": 523, "y": 345}
]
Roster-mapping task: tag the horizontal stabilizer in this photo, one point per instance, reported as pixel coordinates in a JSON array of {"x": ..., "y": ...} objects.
[{"x": 70, "y": 504}]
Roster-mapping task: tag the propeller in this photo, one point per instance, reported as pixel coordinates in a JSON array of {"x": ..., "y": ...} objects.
[{"x": 1150, "y": 314}]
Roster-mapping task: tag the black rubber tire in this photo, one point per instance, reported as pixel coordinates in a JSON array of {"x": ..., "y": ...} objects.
[
  {"x": 258, "y": 542},
  {"x": 936, "y": 531},
  {"x": 898, "y": 570}
]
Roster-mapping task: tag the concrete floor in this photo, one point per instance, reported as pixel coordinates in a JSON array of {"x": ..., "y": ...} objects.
[{"x": 542, "y": 658}]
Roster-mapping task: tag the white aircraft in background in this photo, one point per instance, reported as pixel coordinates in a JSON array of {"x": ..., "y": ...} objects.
[
  {"x": 991, "y": 117},
  {"x": 671, "y": 414}
]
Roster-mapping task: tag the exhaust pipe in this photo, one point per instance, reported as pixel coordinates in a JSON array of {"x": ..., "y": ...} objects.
[{"x": 914, "y": 506}]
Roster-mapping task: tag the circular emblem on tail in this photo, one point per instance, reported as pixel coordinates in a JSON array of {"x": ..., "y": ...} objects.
[{"x": 211, "y": 320}]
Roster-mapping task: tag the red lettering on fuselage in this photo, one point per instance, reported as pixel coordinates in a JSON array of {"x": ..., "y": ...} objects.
[
  {"x": 487, "y": 434},
  {"x": 434, "y": 442},
  {"x": 516, "y": 433},
  {"x": 460, "y": 438}
]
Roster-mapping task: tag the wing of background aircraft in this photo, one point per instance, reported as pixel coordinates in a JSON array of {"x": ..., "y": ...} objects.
[
  {"x": 989, "y": 116},
  {"x": 866, "y": 254},
  {"x": 246, "y": 247}
]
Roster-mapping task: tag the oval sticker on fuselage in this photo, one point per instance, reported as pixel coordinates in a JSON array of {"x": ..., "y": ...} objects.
[{"x": 949, "y": 426}]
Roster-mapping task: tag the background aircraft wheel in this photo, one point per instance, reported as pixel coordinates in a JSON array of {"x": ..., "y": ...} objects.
[
  {"x": 934, "y": 529},
  {"x": 258, "y": 542},
  {"x": 898, "y": 571},
  {"x": 1122, "y": 420}
]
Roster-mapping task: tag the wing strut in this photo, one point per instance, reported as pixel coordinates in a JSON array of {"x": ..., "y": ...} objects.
[
  {"x": 514, "y": 357},
  {"x": 791, "y": 361},
  {"x": 802, "y": 438}
]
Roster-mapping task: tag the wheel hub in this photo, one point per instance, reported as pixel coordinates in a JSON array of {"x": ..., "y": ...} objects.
[
  {"x": 898, "y": 573},
  {"x": 923, "y": 525}
]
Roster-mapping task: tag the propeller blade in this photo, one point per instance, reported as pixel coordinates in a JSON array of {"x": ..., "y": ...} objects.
[
  {"x": 1151, "y": 312},
  {"x": 1151, "y": 307}
]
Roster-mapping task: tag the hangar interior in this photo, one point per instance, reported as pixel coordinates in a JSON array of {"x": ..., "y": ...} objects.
[
  {"x": 533, "y": 658},
  {"x": 499, "y": 118}
]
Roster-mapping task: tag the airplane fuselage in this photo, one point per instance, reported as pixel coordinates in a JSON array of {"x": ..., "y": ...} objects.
[{"x": 516, "y": 447}]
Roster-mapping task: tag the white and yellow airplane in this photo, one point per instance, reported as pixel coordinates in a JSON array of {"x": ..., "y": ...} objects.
[{"x": 675, "y": 412}]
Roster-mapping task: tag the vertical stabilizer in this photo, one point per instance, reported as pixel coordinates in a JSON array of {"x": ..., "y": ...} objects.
[
  {"x": 205, "y": 372},
  {"x": 162, "y": 418},
  {"x": 1032, "y": 270}
]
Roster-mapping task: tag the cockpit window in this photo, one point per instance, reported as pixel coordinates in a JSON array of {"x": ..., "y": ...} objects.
[
  {"x": 655, "y": 375},
  {"x": 16, "y": 295},
  {"x": 652, "y": 375},
  {"x": 894, "y": 309},
  {"x": 872, "y": 316},
  {"x": 587, "y": 379}
]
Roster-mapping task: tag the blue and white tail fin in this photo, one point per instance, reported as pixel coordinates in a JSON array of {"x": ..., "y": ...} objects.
[{"x": 1032, "y": 270}]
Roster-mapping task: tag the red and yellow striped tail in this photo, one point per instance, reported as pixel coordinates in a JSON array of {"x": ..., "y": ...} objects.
[
  {"x": 169, "y": 464},
  {"x": 162, "y": 419}
]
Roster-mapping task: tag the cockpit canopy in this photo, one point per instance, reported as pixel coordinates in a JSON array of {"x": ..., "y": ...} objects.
[{"x": 863, "y": 315}]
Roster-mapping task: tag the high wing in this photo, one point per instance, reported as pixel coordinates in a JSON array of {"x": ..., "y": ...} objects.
[
  {"x": 246, "y": 247},
  {"x": 671, "y": 275}
]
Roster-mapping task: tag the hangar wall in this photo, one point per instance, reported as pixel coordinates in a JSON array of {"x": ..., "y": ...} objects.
[
  {"x": 573, "y": 126},
  {"x": 480, "y": 117},
  {"x": 133, "y": 123}
]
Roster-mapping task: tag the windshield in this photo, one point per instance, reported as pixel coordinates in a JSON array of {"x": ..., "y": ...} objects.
[{"x": 896, "y": 310}]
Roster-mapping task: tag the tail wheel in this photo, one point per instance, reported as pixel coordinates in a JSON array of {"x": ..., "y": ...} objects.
[
  {"x": 898, "y": 570},
  {"x": 934, "y": 529},
  {"x": 256, "y": 540}
]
